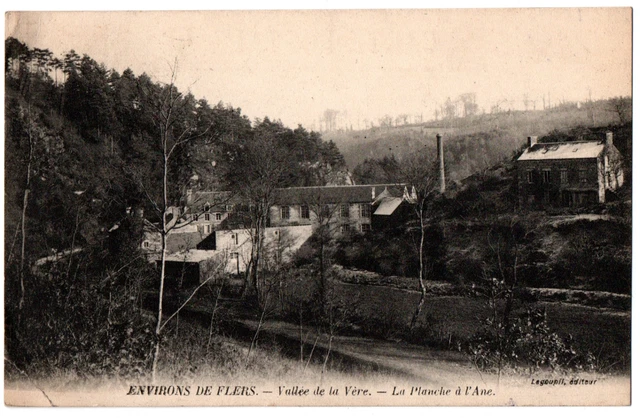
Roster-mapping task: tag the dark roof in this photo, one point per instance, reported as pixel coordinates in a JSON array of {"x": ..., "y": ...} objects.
[
  {"x": 303, "y": 195},
  {"x": 333, "y": 194},
  {"x": 216, "y": 200}
]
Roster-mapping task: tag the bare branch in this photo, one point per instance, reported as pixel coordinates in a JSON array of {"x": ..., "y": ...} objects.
[{"x": 185, "y": 302}]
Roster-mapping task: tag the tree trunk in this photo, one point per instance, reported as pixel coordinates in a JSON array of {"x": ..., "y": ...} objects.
[
  {"x": 423, "y": 288},
  {"x": 25, "y": 203},
  {"x": 162, "y": 264},
  {"x": 159, "y": 319}
]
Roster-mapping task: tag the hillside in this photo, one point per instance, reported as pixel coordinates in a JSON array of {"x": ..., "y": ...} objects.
[
  {"x": 474, "y": 143},
  {"x": 93, "y": 158},
  {"x": 83, "y": 144}
]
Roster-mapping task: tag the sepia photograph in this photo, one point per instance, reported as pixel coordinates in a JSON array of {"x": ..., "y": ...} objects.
[{"x": 372, "y": 207}]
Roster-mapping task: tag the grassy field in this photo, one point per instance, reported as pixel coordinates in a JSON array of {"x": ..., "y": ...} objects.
[{"x": 453, "y": 320}]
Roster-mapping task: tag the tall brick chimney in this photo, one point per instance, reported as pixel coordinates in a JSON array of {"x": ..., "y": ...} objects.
[
  {"x": 532, "y": 140},
  {"x": 441, "y": 163}
]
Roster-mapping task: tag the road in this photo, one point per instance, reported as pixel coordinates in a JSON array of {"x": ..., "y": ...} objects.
[{"x": 408, "y": 361}]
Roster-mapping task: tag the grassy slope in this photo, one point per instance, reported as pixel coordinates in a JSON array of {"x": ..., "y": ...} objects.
[{"x": 474, "y": 142}]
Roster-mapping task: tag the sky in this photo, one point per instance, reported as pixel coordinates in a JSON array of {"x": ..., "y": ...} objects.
[{"x": 293, "y": 65}]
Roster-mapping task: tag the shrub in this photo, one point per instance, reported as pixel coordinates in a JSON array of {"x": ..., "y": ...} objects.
[
  {"x": 84, "y": 323},
  {"x": 527, "y": 343}
]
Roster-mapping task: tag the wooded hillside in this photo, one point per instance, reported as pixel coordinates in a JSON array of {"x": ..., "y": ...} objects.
[{"x": 474, "y": 143}]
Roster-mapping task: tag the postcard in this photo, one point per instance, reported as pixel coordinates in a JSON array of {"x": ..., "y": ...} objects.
[{"x": 407, "y": 207}]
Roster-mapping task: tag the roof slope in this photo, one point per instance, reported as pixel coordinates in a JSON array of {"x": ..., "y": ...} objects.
[
  {"x": 304, "y": 195},
  {"x": 388, "y": 205},
  {"x": 332, "y": 194},
  {"x": 563, "y": 151}
]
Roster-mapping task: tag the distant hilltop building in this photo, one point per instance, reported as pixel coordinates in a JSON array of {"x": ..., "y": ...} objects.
[{"x": 568, "y": 174}]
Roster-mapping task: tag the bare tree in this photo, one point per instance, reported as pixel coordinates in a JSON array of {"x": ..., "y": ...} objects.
[
  {"x": 386, "y": 121},
  {"x": 420, "y": 174},
  {"x": 622, "y": 106},
  {"x": 325, "y": 212},
  {"x": 330, "y": 117},
  {"x": 469, "y": 105},
  {"x": 25, "y": 202},
  {"x": 173, "y": 133},
  {"x": 258, "y": 169},
  {"x": 506, "y": 240}
]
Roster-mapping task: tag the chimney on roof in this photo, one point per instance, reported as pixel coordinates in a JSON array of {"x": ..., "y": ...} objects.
[
  {"x": 608, "y": 139},
  {"x": 189, "y": 196},
  {"x": 373, "y": 193},
  {"x": 533, "y": 140},
  {"x": 441, "y": 163}
]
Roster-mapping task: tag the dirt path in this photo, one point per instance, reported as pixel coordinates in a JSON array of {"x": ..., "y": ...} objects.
[{"x": 407, "y": 361}]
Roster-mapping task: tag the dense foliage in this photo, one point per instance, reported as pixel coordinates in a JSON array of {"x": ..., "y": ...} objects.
[{"x": 84, "y": 160}]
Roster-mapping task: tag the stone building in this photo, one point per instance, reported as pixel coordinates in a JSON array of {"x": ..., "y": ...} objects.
[{"x": 575, "y": 173}]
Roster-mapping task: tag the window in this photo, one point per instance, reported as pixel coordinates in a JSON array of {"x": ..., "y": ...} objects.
[
  {"x": 194, "y": 217},
  {"x": 234, "y": 239},
  {"x": 284, "y": 212},
  {"x": 145, "y": 244},
  {"x": 234, "y": 256},
  {"x": 345, "y": 228},
  {"x": 365, "y": 227},
  {"x": 344, "y": 211},
  {"x": 207, "y": 217},
  {"x": 546, "y": 176},
  {"x": 564, "y": 176},
  {"x": 530, "y": 176},
  {"x": 365, "y": 210},
  {"x": 582, "y": 175},
  {"x": 304, "y": 212},
  {"x": 207, "y": 229},
  {"x": 218, "y": 216},
  {"x": 229, "y": 208},
  {"x": 207, "y": 207}
]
